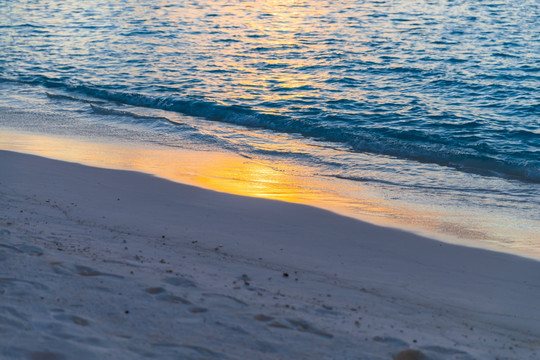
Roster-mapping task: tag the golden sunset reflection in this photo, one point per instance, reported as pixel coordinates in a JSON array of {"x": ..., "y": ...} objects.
[
  {"x": 225, "y": 172},
  {"x": 231, "y": 173},
  {"x": 254, "y": 39}
]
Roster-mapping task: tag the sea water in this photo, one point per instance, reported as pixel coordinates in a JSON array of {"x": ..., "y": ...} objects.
[{"x": 430, "y": 105}]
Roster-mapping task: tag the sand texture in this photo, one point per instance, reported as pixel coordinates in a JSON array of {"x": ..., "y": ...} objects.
[{"x": 107, "y": 264}]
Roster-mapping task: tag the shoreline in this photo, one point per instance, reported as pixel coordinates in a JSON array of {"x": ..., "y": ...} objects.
[
  {"x": 228, "y": 172},
  {"x": 116, "y": 262}
]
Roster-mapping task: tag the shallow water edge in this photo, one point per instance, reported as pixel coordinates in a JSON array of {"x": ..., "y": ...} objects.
[{"x": 225, "y": 171}]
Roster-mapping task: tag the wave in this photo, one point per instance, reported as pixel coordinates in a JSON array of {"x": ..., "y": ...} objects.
[
  {"x": 423, "y": 187},
  {"x": 106, "y": 111},
  {"x": 423, "y": 146},
  {"x": 72, "y": 98}
]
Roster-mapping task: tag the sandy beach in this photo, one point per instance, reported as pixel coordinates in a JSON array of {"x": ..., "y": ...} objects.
[
  {"x": 269, "y": 180},
  {"x": 108, "y": 264}
]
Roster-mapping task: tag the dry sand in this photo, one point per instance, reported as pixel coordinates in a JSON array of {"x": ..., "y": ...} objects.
[{"x": 108, "y": 264}]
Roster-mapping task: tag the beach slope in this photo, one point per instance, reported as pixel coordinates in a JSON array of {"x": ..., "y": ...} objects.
[{"x": 109, "y": 264}]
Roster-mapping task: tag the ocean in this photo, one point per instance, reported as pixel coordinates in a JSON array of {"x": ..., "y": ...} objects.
[{"x": 418, "y": 114}]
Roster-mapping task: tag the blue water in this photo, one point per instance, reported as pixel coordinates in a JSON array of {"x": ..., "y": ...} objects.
[{"x": 443, "y": 94}]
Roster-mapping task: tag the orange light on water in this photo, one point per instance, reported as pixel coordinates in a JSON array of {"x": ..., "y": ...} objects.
[
  {"x": 219, "y": 171},
  {"x": 225, "y": 172},
  {"x": 231, "y": 173}
]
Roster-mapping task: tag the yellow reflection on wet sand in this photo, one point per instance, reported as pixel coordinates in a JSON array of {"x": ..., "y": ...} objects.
[
  {"x": 225, "y": 172},
  {"x": 232, "y": 173},
  {"x": 220, "y": 171}
]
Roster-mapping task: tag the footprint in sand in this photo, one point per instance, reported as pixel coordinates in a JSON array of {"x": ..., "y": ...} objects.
[
  {"x": 80, "y": 270},
  {"x": 180, "y": 282},
  {"x": 222, "y": 301},
  {"x": 263, "y": 318},
  {"x": 446, "y": 352},
  {"x": 18, "y": 287},
  {"x": 197, "y": 310},
  {"x": 155, "y": 290},
  {"x": 410, "y": 354},
  {"x": 162, "y": 295},
  {"x": 188, "y": 351},
  {"x": 86, "y": 271},
  {"x": 72, "y": 319},
  {"x": 294, "y": 324},
  {"x": 45, "y": 355},
  {"x": 12, "y": 320}
]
